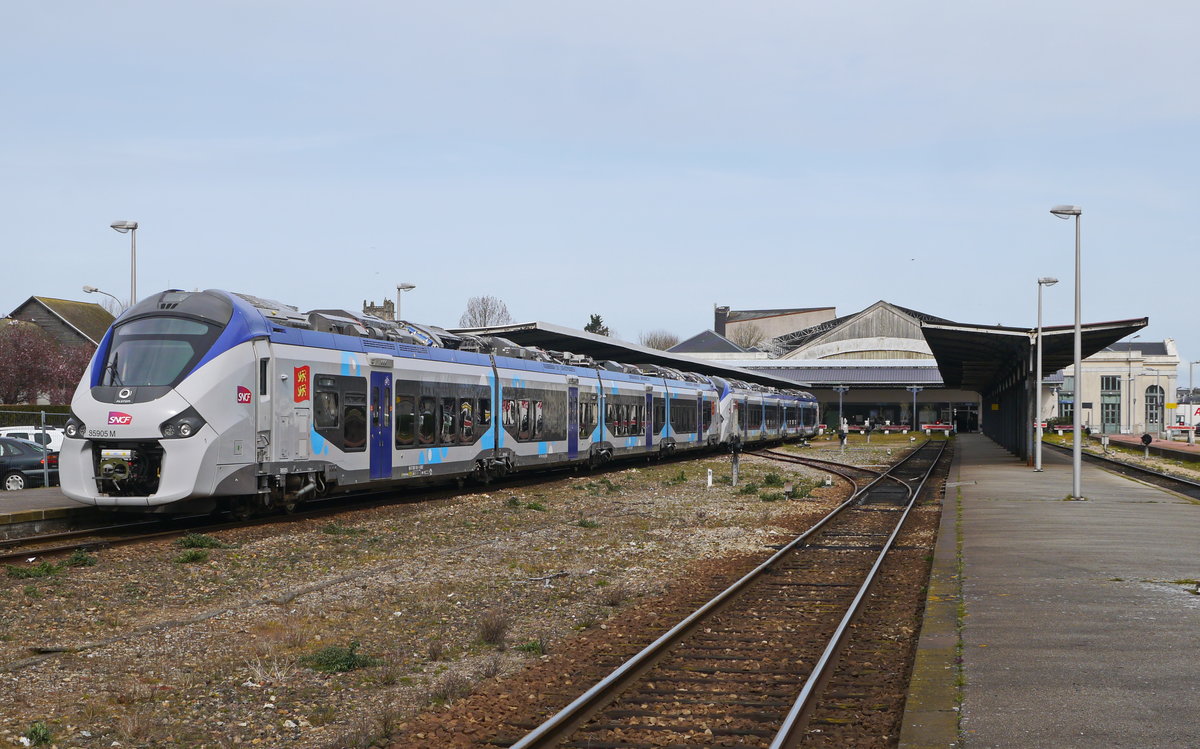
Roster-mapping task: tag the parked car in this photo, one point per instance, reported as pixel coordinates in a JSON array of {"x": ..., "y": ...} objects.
[
  {"x": 52, "y": 437},
  {"x": 22, "y": 463}
]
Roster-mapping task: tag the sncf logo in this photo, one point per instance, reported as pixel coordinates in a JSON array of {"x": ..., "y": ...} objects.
[{"x": 116, "y": 418}]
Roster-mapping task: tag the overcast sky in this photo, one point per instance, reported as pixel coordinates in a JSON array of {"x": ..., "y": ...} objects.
[{"x": 639, "y": 160}]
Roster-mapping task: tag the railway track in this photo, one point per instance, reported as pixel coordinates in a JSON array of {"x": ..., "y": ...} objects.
[
  {"x": 1177, "y": 484},
  {"x": 746, "y": 668}
]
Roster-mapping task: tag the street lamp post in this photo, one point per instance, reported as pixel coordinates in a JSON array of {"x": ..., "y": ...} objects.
[
  {"x": 400, "y": 289},
  {"x": 1066, "y": 212},
  {"x": 1190, "y": 380},
  {"x": 914, "y": 389},
  {"x": 130, "y": 227},
  {"x": 840, "y": 389},
  {"x": 1130, "y": 398},
  {"x": 94, "y": 290},
  {"x": 1037, "y": 379}
]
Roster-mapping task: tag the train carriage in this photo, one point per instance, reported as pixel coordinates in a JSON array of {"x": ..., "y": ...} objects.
[{"x": 211, "y": 400}]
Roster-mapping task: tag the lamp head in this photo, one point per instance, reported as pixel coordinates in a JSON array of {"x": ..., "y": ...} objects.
[
  {"x": 124, "y": 226},
  {"x": 90, "y": 289},
  {"x": 405, "y": 286},
  {"x": 1066, "y": 211},
  {"x": 1047, "y": 281}
]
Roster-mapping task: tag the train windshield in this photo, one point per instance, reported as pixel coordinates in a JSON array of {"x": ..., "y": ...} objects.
[{"x": 156, "y": 351}]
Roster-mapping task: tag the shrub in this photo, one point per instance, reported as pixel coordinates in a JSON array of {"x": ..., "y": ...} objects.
[
  {"x": 436, "y": 650},
  {"x": 336, "y": 659},
  {"x": 679, "y": 478},
  {"x": 771, "y": 496},
  {"x": 536, "y": 506},
  {"x": 586, "y": 523},
  {"x": 749, "y": 489},
  {"x": 200, "y": 541}
]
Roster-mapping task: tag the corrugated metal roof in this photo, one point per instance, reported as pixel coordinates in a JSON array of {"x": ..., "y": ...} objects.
[{"x": 818, "y": 374}]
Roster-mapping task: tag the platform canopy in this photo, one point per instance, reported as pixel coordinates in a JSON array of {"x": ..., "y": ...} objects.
[
  {"x": 601, "y": 348},
  {"x": 987, "y": 358}
]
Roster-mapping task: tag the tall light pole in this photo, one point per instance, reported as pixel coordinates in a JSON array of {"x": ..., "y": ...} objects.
[
  {"x": 131, "y": 228},
  {"x": 400, "y": 289},
  {"x": 94, "y": 290},
  {"x": 914, "y": 389},
  {"x": 1066, "y": 212},
  {"x": 1037, "y": 379},
  {"x": 1190, "y": 380}
]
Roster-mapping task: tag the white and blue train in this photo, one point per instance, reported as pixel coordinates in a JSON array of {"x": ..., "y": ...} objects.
[{"x": 202, "y": 401}]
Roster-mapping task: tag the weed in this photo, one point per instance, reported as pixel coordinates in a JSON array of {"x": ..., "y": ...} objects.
[
  {"x": 449, "y": 688},
  {"x": 491, "y": 667},
  {"x": 680, "y": 477},
  {"x": 535, "y": 647},
  {"x": 31, "y": 591},
  {"x": 192, "y": 555},
  {"x": 615, "y": 595},
  {"x": 80, "y": 558},
  {"x": 338, "y": 529},
  {"x": 773, "y": 479},
  {"x": 337, "y": 659},
  {"x": 437, "y": 650},
  {"x": 771, "y": 496},
  {"x": 272, "y": 670},
  {"x": 536, "y": 506},
  {"x": 585, "y": 523},
  {"x": 389, "y": 675},
  {"x": 493, "y": 627},
  {"x": 513, "y": 502},
  {"x": 41, "y": 569},
  {"x": 200, "y": 541},
  {"x": 39, "y": 734},
  {"x": 748, "y": 489}
]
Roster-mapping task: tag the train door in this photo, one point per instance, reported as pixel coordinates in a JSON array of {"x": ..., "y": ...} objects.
[
  {"x": 572, "y": 421},
  {"x": 263, "y": 417},
  {"x": 381, "y": 425}
]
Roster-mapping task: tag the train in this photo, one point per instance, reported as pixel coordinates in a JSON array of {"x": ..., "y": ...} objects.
[{"x": 212, "y": 401}]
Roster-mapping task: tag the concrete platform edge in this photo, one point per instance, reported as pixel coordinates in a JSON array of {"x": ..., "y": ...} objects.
[{"x": 931, "y": 710}]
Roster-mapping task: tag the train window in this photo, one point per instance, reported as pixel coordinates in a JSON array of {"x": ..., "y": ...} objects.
[
  {"x": 523, "y": 418},
  {"x": 354, "y": 422},
  {"x": 660, "y": 414},
  {"x": 466, "y": 422},
  {"x": 262, "y": 376},
  {"x": 538, "y": 422},
  {"x": 449, "y": 405},
  {"x": 483, "y": 415},
  {"x": 325, "y": 410},
  {"x": 587, "y": 419},
  {"x": 427, "y": 421},
  {"x": 510, "y": 415},
  {"x": 405, "y": 421}
]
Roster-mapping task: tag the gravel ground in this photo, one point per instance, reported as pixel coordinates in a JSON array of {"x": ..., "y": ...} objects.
[{"x": 147, "y": 648}]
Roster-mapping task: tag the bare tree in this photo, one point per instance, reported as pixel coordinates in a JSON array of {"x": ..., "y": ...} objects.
[
  {"x": 28, "y": 362},
  {"x": 659, "y": 339},
  {"x": 483, "y": 311},
  {"x": 747, "y": 336}
]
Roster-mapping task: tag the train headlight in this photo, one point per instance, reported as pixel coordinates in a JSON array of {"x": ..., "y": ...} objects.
[
  {"x": 75, "y": 428},
  {"x": 182, "y": 425}
]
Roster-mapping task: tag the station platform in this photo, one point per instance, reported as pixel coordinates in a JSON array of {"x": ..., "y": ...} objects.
[
  {"x": 1074, "y": 622},
  {"x": 1178, "y": 449},
  {"x": 41, "y": 510}
]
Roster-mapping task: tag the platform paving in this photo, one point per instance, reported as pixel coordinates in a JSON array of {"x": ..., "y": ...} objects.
[{"x": 1075, "y": 625}]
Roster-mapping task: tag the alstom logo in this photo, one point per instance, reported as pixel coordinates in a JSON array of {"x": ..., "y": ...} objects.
[{"x": 116, "y": 418}]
